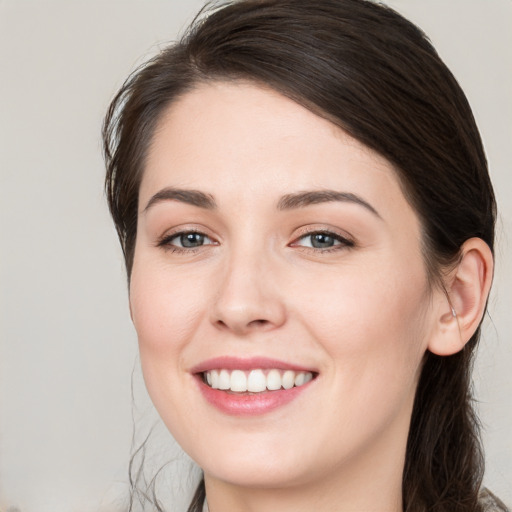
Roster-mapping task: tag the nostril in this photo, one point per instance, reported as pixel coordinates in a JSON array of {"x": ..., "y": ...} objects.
[
  {"x": 252, "y": 325},
  {"x": 259, "y": 323},
  {"x": 222, "y": 324}
]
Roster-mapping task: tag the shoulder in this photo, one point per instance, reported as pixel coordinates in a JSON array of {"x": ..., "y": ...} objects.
[{"x": 491, "y": 503}]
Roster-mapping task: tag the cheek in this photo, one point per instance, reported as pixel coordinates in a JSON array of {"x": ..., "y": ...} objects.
[
  {"x": 372, "y": 325},
  {"x": 373, "y": 331},
  {"x": 165, "y": 313}
]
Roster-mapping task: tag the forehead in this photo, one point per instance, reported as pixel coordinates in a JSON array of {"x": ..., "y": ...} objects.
[{"x": 242, "y": 140}]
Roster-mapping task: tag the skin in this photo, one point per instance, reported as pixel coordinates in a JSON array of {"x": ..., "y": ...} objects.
[{"x": 360, "y": 313}]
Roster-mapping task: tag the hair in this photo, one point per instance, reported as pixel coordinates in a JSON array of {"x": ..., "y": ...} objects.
[{"x": 374, "y": 74}]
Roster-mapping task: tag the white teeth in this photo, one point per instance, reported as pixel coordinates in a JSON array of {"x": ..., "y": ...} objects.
[
  {"x": 288, "y": 379},
  {"x": 273, "y": 380},
  {"x": 299, "y": 379},
  {"x": 238, "y": 381},
  {"x": 255, "y": 381},
  {"x": 224, "y": 380},
  {"x": 214, "y": 377}
]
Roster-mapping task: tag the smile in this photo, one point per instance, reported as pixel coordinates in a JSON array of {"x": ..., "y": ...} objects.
[
  {"x": 251, "y": 386},
  {"x": 255, "y": 381}
]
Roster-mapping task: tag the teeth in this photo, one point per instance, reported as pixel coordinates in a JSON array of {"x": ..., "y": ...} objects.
[
  {"x": 289, "y": 379},
  {"x": 224, "y": 380},
  {"x": 238, "y": 381},
  {"x": 274, "y": 380},
  {"x": 214, "y": 377},
  {"x": 255, "y": 381}
]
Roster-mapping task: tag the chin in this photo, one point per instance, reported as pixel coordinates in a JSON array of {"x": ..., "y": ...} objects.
[
  {"x": 256, "y": 460},
  {"x": 258, "y": 475}
]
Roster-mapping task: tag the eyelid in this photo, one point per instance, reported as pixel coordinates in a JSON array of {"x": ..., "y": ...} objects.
[
  {"x": 344, "y": 238},
  {"x": 164, "y": 240}
]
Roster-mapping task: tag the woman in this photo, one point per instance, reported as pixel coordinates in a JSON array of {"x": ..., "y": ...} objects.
[{"x": 304, "y": 207}]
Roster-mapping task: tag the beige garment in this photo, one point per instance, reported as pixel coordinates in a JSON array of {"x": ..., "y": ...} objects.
[
  {"x": 489, "y": 502},
  {"x": 492, "y": 503}
]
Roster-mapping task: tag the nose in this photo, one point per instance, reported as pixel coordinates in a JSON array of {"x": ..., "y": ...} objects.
[{"x": 248, "y": 297}]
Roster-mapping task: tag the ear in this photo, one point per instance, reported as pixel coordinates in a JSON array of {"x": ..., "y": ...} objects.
[{"x": 460, "y": 311}]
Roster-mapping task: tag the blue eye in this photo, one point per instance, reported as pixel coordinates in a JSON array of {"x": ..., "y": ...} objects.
[
  {"x": 190, "y": 239},
  {"x": 186, "y": 240},
  {"x": 323, "y": 240}
]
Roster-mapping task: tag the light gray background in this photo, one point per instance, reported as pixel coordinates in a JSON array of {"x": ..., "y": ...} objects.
[{"x": 67, "y": 346}]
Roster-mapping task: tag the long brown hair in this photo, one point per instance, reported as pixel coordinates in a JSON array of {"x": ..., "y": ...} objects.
[{"x": 374, "y": 74}]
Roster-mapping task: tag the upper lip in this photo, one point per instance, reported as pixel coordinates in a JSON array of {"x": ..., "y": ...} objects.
[{"x": 252, "y": 363}]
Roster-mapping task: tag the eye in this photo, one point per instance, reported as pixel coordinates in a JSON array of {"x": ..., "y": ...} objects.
[
  {"x": 323, "y": 240},
  {"x": 185, "y": 240}
]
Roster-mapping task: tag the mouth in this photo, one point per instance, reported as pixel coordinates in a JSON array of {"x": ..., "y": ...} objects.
[
  {"x": 255, "y": 381},
  {"x": 254, "y": 386}
]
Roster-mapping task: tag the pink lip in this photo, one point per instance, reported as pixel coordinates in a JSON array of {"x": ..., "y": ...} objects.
[
  {"x": 253, "y": 363},
  {"x": 247, "y": 404}
]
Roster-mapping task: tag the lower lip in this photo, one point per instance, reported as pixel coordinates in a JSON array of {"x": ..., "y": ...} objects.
[{"x": 249, "y": 405}]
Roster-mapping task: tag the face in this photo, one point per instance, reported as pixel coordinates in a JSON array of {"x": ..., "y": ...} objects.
[{"x": 278, "y": 262}]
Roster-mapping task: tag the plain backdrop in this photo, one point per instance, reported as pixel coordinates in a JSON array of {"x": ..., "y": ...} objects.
[{"x": 68, "y": 349}]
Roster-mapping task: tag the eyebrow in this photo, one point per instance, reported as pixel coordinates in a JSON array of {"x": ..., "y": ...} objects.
[
  {"x": 287, "y": 202},
  {"x": 307, "y": 198},
  {"x": 193, "y": 197}
]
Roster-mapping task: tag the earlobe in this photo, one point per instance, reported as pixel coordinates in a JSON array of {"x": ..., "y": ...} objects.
[{"x": 460, "y": 312}]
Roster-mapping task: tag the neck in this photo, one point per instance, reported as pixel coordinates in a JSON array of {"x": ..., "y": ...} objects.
[{"x": 303, "y": 499}]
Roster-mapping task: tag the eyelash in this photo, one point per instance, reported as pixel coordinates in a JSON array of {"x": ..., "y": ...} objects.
[
  {"x": 166, "y": 242},
  {"x": 344, "y": 243}
]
